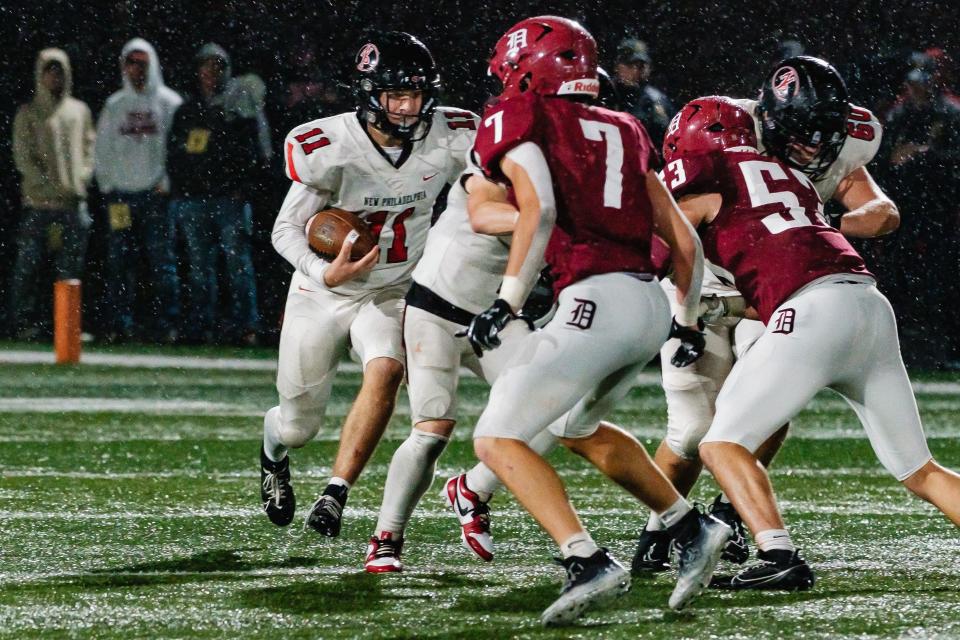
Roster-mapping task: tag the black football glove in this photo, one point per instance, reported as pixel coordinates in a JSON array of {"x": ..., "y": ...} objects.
[
  {"x": 483, "y": 329},
  {"x": 693, "y": 343},
  {"x": 540, "y": 301}
]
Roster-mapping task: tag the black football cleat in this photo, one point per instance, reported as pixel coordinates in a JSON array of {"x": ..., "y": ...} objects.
[
  {"x": 774, "y": 570},
  {"x": 653, "y": 552},
  {"x": 276, "y": 492},
  {"x": 737, "y": 550},
  {"x": 590, "y": 581},
  {"x": 326, "y": 513}
]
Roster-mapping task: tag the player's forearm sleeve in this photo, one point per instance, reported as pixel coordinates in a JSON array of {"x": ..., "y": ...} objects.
[
  {"x": 529, "y": 156},
  {"x": 289, "y": 231}
]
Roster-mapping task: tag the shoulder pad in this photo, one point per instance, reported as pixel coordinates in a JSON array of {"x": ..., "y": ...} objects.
[
  {"x": 863, "y": 137},
  {"x": 505, "y": 125},
  {"x": 311, "y": 148}
]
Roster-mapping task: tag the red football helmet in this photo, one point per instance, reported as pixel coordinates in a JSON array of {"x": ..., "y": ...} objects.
[
  {"x": 708, "y": 124},
  {"x": 546, "y": 55}
]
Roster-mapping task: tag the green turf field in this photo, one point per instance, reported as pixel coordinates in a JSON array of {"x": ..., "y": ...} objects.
[{"x": 130, "y": 510}]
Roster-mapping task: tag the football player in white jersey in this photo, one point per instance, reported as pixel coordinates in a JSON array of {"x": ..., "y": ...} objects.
[
  {"x": 801, "y": 97},
  {"x": 459, "y": 270},
  {"x": 388, "y": 162}
]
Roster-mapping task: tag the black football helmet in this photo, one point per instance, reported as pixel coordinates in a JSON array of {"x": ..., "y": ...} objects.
[
  {"x": 804, "y": 101},
  {"x": 395, "y": 60}
]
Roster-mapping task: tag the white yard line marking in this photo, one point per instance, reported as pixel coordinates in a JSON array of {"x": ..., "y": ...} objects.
[{"x": 644, "y": 379}]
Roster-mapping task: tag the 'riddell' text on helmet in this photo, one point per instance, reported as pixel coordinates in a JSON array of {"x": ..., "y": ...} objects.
[
  {"x": 711, "y": 123},
  {"x": 546, "y": 55},
  {"x": 395, "y": 60},
  {"x": 803, "y": 104}
]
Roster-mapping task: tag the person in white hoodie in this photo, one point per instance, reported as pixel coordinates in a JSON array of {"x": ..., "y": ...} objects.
[{"x": 131, "y": 169}]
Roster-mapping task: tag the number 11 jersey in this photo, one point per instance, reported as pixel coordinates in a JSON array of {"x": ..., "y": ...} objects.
[
  {"x": 598, "y": 161},
  {"x": 334, "y": 163}
]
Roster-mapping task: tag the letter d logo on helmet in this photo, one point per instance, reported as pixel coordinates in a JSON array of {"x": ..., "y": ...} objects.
[{"x": 368, "y": 57}]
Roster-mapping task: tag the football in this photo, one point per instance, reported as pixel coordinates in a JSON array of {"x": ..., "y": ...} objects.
[{"x": 327, "y": 230}]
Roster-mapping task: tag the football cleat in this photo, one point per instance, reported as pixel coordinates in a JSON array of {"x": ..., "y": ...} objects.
[
  {"x": 590, "y": 581},
  {"x": 474, "y": 516},
  {"x": 653, "y": 552},
  {"x": 327, "y": 512},
  {"x": 737, "y": 550},
  {"x": 276, "y": 492},
  {"x": 383, "y": 554},
  {"x": 777, "y": 569},
  {"x": 699, "y": 542}
]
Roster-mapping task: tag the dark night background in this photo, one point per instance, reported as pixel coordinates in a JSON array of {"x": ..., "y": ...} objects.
[{"x": 697, "y": 47}]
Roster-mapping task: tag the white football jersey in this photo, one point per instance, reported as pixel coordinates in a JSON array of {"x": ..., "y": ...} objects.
[
  {"x": 463, "y": 267},
  {"x": 863, "y": 141},
  {"x": 333, "y": 163}
]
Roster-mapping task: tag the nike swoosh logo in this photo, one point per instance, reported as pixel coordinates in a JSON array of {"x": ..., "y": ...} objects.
[
  {"x": 307, "y": 290},
  {"x": 737, "y": 580},
  {"x": 425, "y": 178},
  {"x": 456, "y": 503}
]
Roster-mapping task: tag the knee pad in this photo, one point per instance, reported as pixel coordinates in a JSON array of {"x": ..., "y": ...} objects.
[
  {"x": 299, "y": 421},
  {"x": 689, "y": 416}
]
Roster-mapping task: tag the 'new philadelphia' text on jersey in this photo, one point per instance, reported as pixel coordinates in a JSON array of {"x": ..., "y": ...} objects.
[
  {"x": 598, "y": 160},
  {"x": 334, "y": 163}
]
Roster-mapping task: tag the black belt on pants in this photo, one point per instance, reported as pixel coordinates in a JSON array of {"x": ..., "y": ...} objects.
[{"x": 423, "y": 298}]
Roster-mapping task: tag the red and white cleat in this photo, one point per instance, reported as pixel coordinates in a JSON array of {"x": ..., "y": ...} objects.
[
  {"x": 383, "y": 554},
  {"x": 474, "y": 516}
]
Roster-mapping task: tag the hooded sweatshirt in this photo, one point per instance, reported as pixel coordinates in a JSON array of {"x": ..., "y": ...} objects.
[
  {"x": 214, "y": 148},
  {"x": 53, "y": 142},
  {"x": 132, "y": 129}
]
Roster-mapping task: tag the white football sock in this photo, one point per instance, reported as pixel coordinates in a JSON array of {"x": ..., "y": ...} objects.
[
  {"x": 272, "y": 446},
  {"x": 484, "y": 482},
  {"x": 675, "y": 512},
  {"x": 339, "y": 482},
  {"x": 580, "y": 545},
  {"x": 654, "y": 523},
  {"x": 772, "y": 539},
  {"x": 408, "y": 478}
]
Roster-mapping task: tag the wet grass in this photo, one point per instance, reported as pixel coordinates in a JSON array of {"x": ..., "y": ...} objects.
[{"x": 139, "y": 524}]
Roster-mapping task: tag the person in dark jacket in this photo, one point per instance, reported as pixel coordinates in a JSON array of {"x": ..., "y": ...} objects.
[
  {"x": 648, "y": 104},
  {"x": 214, "y": 159}
]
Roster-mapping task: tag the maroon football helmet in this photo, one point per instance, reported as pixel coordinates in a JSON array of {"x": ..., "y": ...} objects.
[
  {"x": 546, "y": 55},
  {"x": 708, "y": 124}
]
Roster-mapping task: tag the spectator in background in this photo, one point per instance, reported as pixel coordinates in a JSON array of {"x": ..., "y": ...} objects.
[
  {"x": 214, "y": 157},
  {"x": 131, "y": 169},
  {"x": 921, "y": 156},
  {"x": 308, "y": 91},
  {"x": 53, "y": 138},
  {"x": 648, "y": 104}
]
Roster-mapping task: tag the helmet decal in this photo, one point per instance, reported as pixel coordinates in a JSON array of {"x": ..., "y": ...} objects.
[
  {"x": 516, "y": 40},
  {"x": 368, "y": 57},
  {"x": 674, "y": 126},
  {"x": 784, "y": 82}
]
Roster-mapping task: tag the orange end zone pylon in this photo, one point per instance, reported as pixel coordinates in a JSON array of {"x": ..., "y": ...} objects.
[{"x": 66, "y": 321}]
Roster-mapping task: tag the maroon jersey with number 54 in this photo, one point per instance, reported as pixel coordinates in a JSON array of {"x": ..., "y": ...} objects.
[
  {"x": 770, "y": 233},
  {"x": 598, "y": 160}
]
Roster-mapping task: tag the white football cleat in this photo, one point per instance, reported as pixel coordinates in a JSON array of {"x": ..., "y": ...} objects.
[
  {"x": 474, "y": 516},
  {"x": 383, "y": 554},
  {"x": 698, "y": 556}
]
